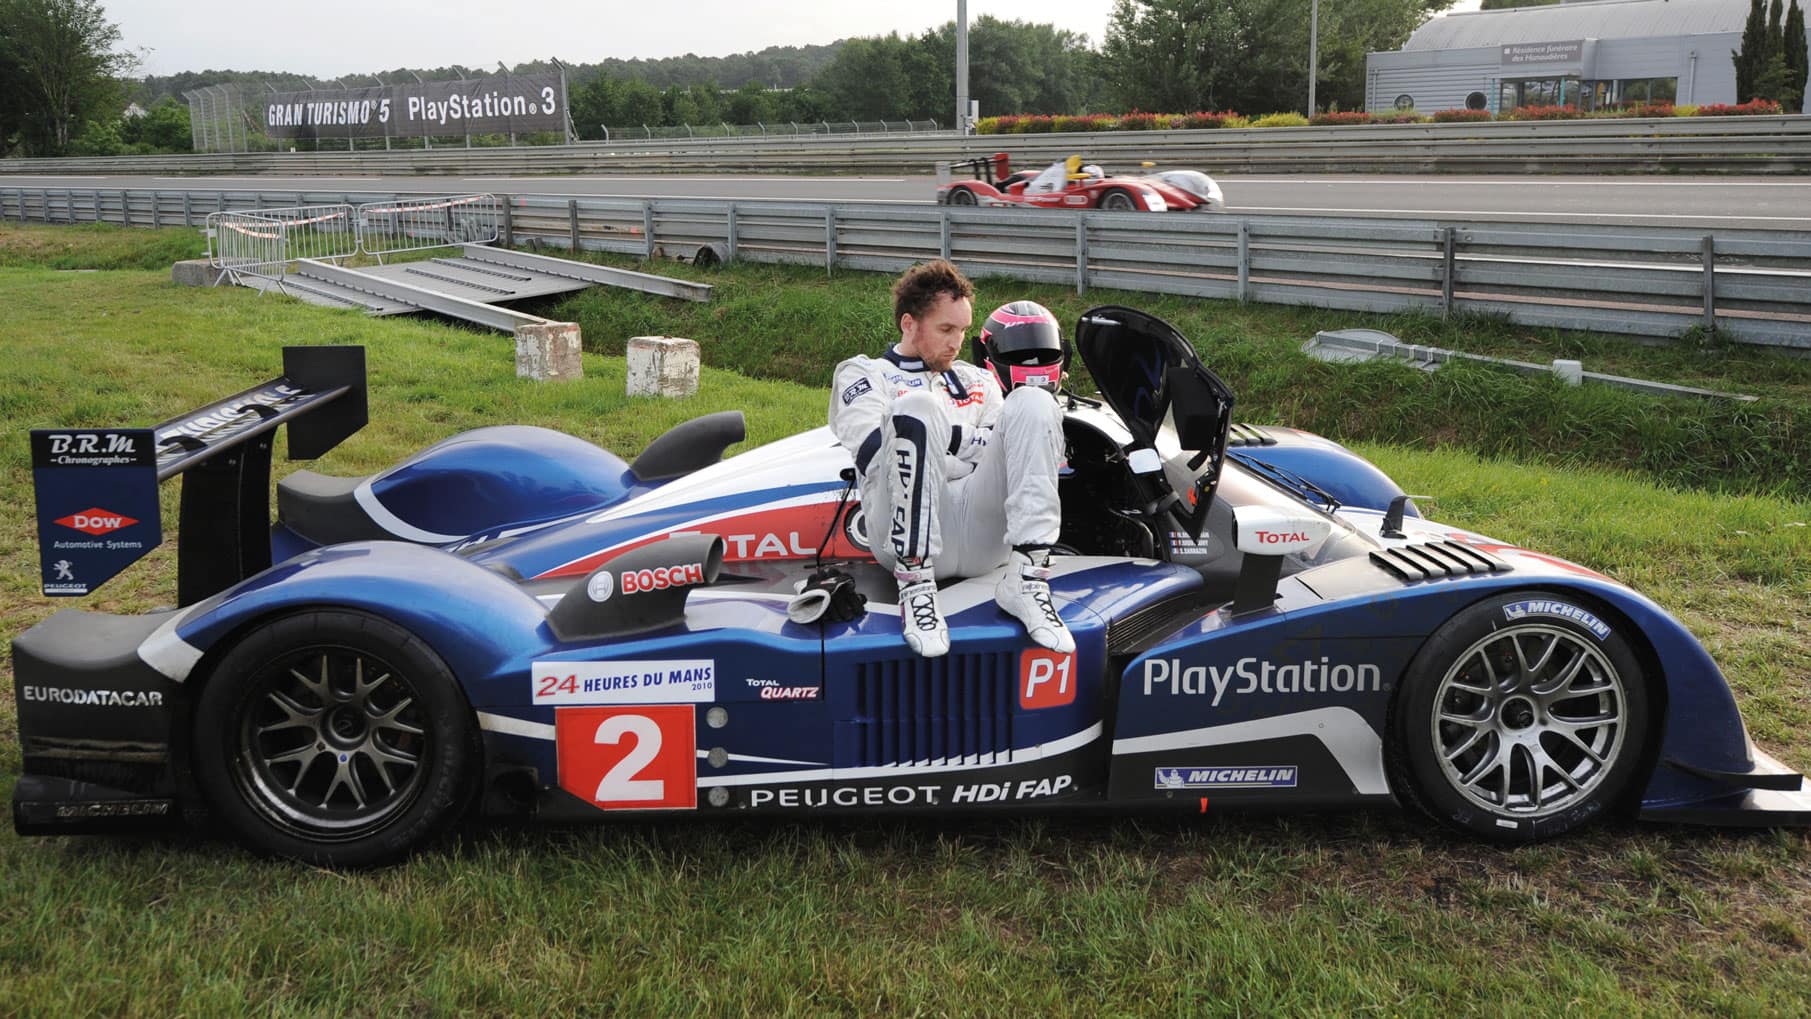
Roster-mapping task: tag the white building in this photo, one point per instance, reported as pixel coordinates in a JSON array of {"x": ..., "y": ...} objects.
[{"x": 1592, "y": 54}]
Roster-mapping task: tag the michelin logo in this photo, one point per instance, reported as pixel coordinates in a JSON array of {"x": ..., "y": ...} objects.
[
  {"x": 1243, "y": 777},
  {"x": 1168, "y": 675},
  {"x": 1524, "y": 609}
]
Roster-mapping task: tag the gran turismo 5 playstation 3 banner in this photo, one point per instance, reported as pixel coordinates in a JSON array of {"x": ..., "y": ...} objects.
[
  {"x": 97, "y": 504},
  {"x": 512, "y": 103}
]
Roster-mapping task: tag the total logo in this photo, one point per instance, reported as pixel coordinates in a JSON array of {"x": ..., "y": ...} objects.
[
  {"x": 1279, "y": 537},
  {"x": 95, "y": 520},
  {"x": 771, "y": 690}
]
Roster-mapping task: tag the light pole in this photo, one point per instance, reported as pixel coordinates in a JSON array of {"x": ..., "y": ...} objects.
[
  {"x": 962, "y": 67},
  {"x": 1314, "y": 39}
]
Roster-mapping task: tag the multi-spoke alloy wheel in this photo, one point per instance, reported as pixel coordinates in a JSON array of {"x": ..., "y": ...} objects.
[
  {"x": 334, "y": 743},
  {"x": 1522, "y": 718},
  {"x": 1118, "y": 201},
  {"x": 335, "y": 737}
]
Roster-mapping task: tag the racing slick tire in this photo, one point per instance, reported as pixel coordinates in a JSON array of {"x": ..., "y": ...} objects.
[
  {"x": 1118, "y": 201},
  {"x": 335, "y": 737},
  {"x": 961, "y": 196},
  {"x": 1523, "y": 717}
]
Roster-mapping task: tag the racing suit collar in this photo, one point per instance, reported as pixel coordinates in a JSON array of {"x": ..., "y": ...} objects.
[
  {"x": 916, "y": 364},
  {"x": 902, "y": 362}
]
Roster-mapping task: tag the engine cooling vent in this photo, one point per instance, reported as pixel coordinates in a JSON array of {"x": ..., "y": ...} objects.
[
  {"x": 1438, "y": 559},
  {"x": 922, "y": 710},
  {"x": 1247, "y": 435},
  {"x": 1133, "y": 633}
]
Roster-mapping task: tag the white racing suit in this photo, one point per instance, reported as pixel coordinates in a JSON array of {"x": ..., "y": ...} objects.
[{"x": 951, "y": 470}]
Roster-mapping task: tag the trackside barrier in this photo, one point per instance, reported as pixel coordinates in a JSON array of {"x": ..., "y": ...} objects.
[
  {"x": 414, "y": 224},
  {"x": 1752, "y": 286},
  {"x": 264, "y": 243}
]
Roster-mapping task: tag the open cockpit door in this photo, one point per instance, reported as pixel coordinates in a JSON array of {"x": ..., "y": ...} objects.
[{"x": 1174, "y": 406}]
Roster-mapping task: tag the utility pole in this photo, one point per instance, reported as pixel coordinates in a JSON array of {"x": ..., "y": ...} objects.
[
  {"x": 1314, "y": 40},
  {"x": 962, "y": 126}
]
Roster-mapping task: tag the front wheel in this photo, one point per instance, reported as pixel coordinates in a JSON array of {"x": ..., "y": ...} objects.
[
  {"x": 961, "y": 196},
  {"x": 337, "y": 738},
  {"x": 1522, "y": 718}
]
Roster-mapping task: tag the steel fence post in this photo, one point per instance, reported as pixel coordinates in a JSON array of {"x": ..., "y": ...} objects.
[
  {"x": 829, "y": 239},
  {"x": 572, "y": 222},
  {"x": 156, "y": 211},
  {"x": 1448, "y": 266},
  {"x": 729, "y": 254},
  {"x": 1081, "y": 255},
  {"x": 1244, "y": 259},
  {"x": 943, "y": 240},
  {"x": 188, "y": 218},
  {"x": 509, "y": 220},
  {"x": 647, "y": 230},
  {"x": 1709, "y": 258}
]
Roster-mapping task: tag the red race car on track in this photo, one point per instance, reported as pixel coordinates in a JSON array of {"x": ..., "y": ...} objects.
[{"x": 1071, "y": 184}]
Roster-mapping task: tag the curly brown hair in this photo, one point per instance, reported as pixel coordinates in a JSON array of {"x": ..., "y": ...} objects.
[{"x": 917, "y": 289}]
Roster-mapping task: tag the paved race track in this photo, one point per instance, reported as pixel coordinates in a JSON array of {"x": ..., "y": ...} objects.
[{"x": 1689, "y": 202}]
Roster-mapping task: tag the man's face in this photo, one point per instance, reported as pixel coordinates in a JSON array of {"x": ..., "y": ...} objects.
[{"x": 936, "y": 336}]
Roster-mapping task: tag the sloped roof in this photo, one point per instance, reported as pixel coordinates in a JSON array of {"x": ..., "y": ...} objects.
[{"x": 1604, "y": 19}]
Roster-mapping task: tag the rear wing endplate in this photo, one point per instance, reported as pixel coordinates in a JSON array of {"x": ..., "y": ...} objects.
[{"x": 97, "y": 488}]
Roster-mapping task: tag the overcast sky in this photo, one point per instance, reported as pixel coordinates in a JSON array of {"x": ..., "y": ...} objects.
[{"x": 329, "y": 38}]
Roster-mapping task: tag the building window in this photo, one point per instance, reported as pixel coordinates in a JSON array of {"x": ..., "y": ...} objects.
[
  {"x": 1631, "y": 91},
  {"x": 1405, "y": 102}
]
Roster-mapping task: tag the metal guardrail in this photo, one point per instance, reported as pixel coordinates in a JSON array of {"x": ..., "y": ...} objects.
[
  {"x": 1683, "y": 144},
  {"x": 1752, "y": 286}
]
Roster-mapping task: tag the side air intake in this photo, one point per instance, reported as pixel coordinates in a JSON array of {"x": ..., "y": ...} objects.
[{"x": 954, "y": 709}]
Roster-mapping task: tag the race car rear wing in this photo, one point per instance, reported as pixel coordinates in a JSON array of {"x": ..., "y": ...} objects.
[{"x": 96, "y": 489}]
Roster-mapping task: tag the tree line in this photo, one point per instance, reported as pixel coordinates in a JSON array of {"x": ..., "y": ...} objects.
[{"x": 1772, "y": 63}]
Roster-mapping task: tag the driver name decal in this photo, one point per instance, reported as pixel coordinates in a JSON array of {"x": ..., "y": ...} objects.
[
  {"x": 1170, "y": 676},
  {"x": 636, "y": 682}
]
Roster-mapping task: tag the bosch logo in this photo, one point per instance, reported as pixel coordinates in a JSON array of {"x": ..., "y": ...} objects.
[
  {"x": 96, "y": 521},
  {"x": 661, "y": 577},
  {"x": 1280, "y": 537},
  {"x": 601, "y": 585}
]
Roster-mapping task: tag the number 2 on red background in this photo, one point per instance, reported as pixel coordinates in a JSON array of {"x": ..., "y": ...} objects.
[{"x": 641, "y": 757}]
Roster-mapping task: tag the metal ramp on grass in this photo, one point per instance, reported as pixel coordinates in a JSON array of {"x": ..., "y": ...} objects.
[{"x": 299, "y": 252}]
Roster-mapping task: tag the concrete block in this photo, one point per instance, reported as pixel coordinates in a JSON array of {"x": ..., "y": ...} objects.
[
  {"x": 663, "y": 366},
  {"x": 196, "y": 272},
  {"x": 548, "y": 351}
]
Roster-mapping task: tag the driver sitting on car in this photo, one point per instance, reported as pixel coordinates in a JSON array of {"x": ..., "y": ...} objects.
[{"x": 958, "y": 464}]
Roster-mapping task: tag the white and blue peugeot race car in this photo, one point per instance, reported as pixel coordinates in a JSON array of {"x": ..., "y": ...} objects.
[{"x": 515, "y": 621}]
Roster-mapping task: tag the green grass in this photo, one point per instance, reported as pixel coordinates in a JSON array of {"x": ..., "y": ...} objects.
[
  {"x": 1334, "y": 914},
  {"x": 794, "y": 323}
]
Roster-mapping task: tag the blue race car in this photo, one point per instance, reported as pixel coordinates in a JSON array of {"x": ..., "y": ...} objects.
[{"x": 514, "y": 621}]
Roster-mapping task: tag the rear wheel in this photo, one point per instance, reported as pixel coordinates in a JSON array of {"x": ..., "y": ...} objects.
[
  {"x": 1117, "y": 201},
  {"x": 961, "y": 196},
  {"x": 337, "y": 738},
  {"x": 1522, "y": 718}
]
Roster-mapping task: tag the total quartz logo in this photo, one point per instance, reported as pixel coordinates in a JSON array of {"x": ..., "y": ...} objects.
[{"x": 96, "y": 521}]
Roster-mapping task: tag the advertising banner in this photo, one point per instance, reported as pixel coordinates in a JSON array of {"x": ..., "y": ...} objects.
[{"x": 502, "y": 105}]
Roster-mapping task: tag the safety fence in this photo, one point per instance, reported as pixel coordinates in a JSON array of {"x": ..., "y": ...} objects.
[
  {"x": 263, "y": 242},
  {"x": 1663, "y": 144},
  {"x": 414, "y": 224},
  {"x": 1749, "y": 285}
]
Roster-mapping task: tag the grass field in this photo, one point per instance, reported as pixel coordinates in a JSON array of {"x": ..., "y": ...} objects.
[{"x": 1331, "y": 914}]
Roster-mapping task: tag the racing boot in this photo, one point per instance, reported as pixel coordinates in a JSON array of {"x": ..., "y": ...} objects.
[
  {"x": 925, "y": 631},
  {"x": 1024, "y": 592}
]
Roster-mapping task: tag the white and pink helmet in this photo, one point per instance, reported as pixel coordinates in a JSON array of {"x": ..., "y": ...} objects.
[{"x": 1022, "y": 344}]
